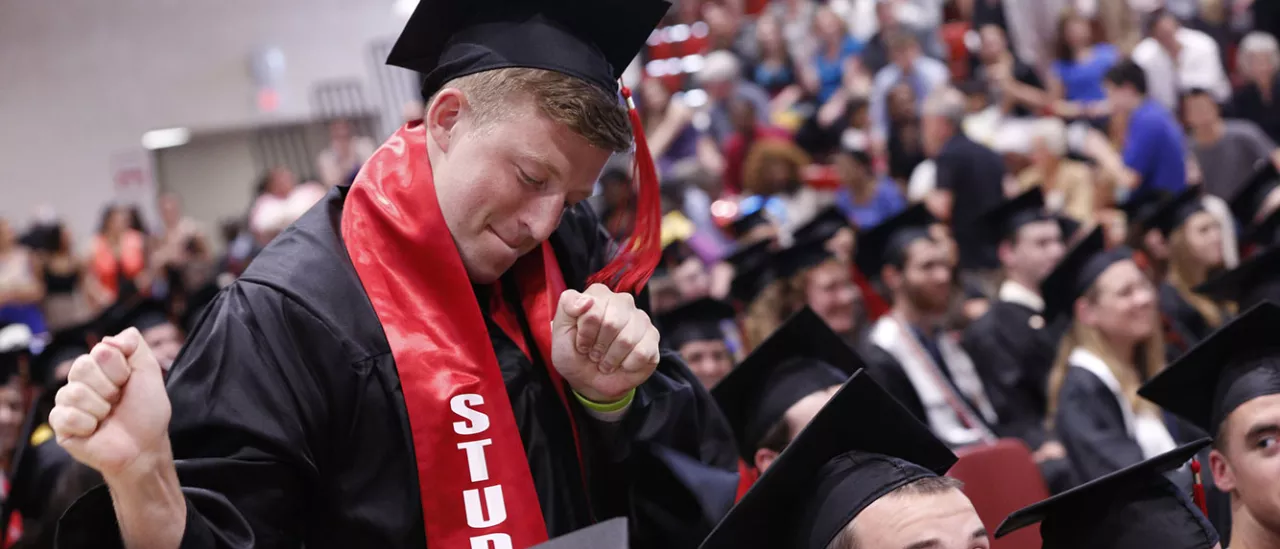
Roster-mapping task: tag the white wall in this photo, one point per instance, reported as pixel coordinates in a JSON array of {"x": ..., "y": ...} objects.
[{"x": 81, "y": 80}]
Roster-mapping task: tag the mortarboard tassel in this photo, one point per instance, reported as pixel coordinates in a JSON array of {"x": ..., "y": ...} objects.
[
  {"x": 1197, "y": 488},
  {"x": 630, "y": 270}
]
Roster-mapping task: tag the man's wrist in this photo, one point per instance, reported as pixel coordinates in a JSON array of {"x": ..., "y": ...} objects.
[
  {"x": 150, "y": 507},
  {"x": 605, "y": 404}
]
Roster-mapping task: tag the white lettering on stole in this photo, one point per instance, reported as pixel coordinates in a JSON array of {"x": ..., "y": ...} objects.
[
  {"x": 475, "y": 458},
  {"x": 463, "y": 405},
  {"x": 475, "y": 422},
  {"x": 494, "y": 541},
  {"x": 493, "y": 502}
]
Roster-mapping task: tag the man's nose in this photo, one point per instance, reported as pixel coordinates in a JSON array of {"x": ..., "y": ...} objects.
[{"x": 541, "y": 216}]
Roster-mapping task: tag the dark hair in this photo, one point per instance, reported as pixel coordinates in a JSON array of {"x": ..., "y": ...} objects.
[
  {"x": 1154, "y": 18},
  {"x": 777, "y": 437},
  {"x": 895, "y": 253},
  {"x": 1128, "y": 72},
  {"x": 926, "y": 486},
  {"x": 107, "y": 211},
  {"x": 1061, "y": 48}
]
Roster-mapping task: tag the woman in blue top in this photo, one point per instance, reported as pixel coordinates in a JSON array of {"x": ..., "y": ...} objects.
[
  {"x": 775, "y": 72},
  {"x": 837, "y": 50},
  {"x": 863, "y": 197},
  {"x": 1076, "y": 79}
]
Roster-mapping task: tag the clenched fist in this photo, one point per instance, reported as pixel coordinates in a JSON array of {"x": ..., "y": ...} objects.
[
  {"x": 602, "y": 344},
  {"x": 113, "y": 414}
]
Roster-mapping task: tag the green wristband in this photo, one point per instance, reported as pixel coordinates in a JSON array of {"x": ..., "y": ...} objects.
[{"x": 608, "y": 407}]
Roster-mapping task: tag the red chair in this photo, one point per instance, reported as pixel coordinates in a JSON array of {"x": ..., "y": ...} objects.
[{"x": 999, "y": 479}]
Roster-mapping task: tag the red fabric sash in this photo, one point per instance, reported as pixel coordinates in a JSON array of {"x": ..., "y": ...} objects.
[
  {"x": 747, "y": 476},
  {"x": 473, "y": 478}
]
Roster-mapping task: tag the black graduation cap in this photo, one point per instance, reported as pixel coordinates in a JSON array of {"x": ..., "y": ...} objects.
[
  {"x": 15, "y": 343},
  {"x": 593, "y": 40},
  {"x": 142, "y": 314},
  {"x": 1069, "y": 227},
  {"x": 1264, "y": 232},
  {"x": 860, "y": 447},
  {"x": 698, "y": 320},
  {"x": 673, "y": 255},
  {"x": 610, "y": 534},
  {"x": 67, "y": 344},
  {"x": 743, "y": 224},
  {"x": 1004, "y": 220},
  {"x": 802, "y": 357},
  {"x": 1172, "y": 213},
  {"x": 801, "y": 255},
  {"x": 753, "y": 270},
  {"x": 1133, "y": 507},
  {"x": 1237, "y": 363},
  {"x": 891, "y": 236},
  {"x": 1247, "y": 201},
  {"x": 1077, "y": 271},
  {"x": 823, "y": 226},
  {"x": 1141, "y": 205},
  {"x": 1254, "y": 280}
]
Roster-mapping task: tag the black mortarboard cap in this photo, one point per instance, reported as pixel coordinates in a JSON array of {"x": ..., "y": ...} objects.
[
  {"x": 823, "y": 226},
  {"x": 1264, "y": 232},
  {"x": 1069, "y": 227},
  {"x": 743, "y": 224},
  {"x": 1254, "y": 280},
  {"x": 1247, "y": 201},
  {"x": 861, "y": 446},
  {"x": 1141, "y": 205},
  {"x": 891, "y": 236},
  {"x": 610, "y": 534},
  {"x": 801, "y": 255},
  {"x": 698, "y": 320},
  {"x": 753, "y": 271},
  {"x": 1134, "y": 507},
  {"x": 1077, "y": 271},
  {"x": 1004, "y": 220},
  {"x": 802, "y": 357},
  {"x": 15, "y": 342},
  {"x": 590, "y": 40},
  {"x": 67, "y": 344},
  {"x": 1172, "y": 213},
  {"x": 1235, "y": 364},
  {"x": 142, "y": 314}
]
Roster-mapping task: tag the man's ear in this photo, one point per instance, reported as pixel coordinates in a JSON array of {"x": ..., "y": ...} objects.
[
  {"x": 764, "y": 458},
  {"x": 892, "y": 277},
  {"x": 1005, "y": 252},
  {"x": 443, "y": 114},
  {"x": 1223, "y": 477}
]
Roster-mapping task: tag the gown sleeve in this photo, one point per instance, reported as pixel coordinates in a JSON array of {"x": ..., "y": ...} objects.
[
  {"x": 1091, "y": 427},
  {"x": 246, "y": 412}
]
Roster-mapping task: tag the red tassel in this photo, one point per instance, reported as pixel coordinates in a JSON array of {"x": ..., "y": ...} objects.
[
  {"x": 876, "y": 305},
  {"x": 1197, "y": 489},
  {"x": 630, "y": 270}
]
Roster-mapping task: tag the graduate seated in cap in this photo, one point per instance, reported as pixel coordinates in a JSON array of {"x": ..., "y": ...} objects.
[
  {"x": 1255, "y": 280},
  {"x": 926, "y": 368},
  {"x": 1012, "y": 346},
  {"x": 1227, "y": 386},
  {"x": 1256, "y": 207},
  {"x": 752, "y": 227},
  {"x": 151, "y": 319},
  {"x": 1136, "y": 507},
  {"x": 1193, "y": 239},
  {"x": 685, "y": 272},
  {"x": 1152, "y": 253},
  {"x": 702, "y": 332},
  {"x": 449, "y": 352},
  {"x": 1113, "y": 343},
  {"x": 755, "y": 291},
  {"x": 863, "y": 474},
  {"x": 772, "y": 395},
  {"x": 811, "y": 276}
]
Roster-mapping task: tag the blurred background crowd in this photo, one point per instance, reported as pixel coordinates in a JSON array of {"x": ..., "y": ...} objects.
[{"x": 784, "y": 132}]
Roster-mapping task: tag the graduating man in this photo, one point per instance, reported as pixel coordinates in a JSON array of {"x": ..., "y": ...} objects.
[
  {"x": 782, "y": 384},
  {"x": 923, "y": 366},
  {"x": 1011, "y": 345},
  {"x": 1130, "y": 508},
  {"x": 701, "y": 332},
  {"x": 864, "y": 473},
  {"x": 1229, "y": 386},
  {"x": 412, "y": 363}
]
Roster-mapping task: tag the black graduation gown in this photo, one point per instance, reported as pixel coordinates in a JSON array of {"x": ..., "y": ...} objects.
[
  {"x": 1184, "y": 325},
  {"x": 290, "y": 428},
  {"x": 1090, "y": 425},
  {"x": 1013, "y": 358},
  {"x": 888, "y": 373}
]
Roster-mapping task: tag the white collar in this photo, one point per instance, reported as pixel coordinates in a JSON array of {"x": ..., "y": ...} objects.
[{"x": 1016, "y": 293}]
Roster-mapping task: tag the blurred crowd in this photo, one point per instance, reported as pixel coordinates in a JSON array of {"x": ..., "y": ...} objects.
[{"x": 784, "y": 133}]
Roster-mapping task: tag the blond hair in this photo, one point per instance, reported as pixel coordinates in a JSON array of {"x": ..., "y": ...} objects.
[
  {"x": 1149, "y": 359},
  {"x": 1183, "y": 273},
  {"x": 586, "y": 109},
  {"x": 778, "y": 302}
]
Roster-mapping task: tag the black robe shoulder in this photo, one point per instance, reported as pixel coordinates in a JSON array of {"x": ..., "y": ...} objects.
[
  {"x": 1012, "y": 350},
  {"x": 888, "y": 372},
  {"x": 1090, "y": 425},
  {"x": 1184, "y": 325},
  {"x": 290, "y": 428}
]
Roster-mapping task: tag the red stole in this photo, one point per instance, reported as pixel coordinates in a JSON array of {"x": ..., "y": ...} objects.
[
  {"x": 747, "y": 476},
  {"x": 473, "y": 477}
]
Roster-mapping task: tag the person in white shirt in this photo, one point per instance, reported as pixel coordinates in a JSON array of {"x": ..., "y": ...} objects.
[{"x": 1177, "y": 59}]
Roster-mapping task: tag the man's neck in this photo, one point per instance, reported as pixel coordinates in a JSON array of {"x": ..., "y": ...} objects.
[
  {"x": 926, "y": 323},
  {"x": 1247, "y": 532},
  {"x": 1020, "y": 279},
  {"x": 1211, "y": 133}
]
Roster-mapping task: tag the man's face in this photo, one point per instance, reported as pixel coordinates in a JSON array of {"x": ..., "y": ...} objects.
[
  {"x": 935, "y": 131},
  {"x": 1123, "y": 98},
  {"x": 503, "y": 184},
  {"x": 904, "y": 55},
  {"x": 1165, "y": 31},
  {"x": 945, "y": 520},
  {"x": 1035, "y": 250},
  {"x": 797, "y": 417},
  {"x": 1200, "y": 111},
  {"x": 925, "y": 281},
  {"x": 709, "y": 360},
  {"x": 830, "y": 292},
  {"x": 165, "y": 341},
  {"x": 1248, "y": 465},
  {"x": 691, "y": 279}
]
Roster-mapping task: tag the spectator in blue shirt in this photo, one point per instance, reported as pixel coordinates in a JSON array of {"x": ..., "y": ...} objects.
[
  {"x": 863, "y": 197},
  {"x": 1154, "y": 153},
  {"x": 837, "y": 51}
]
